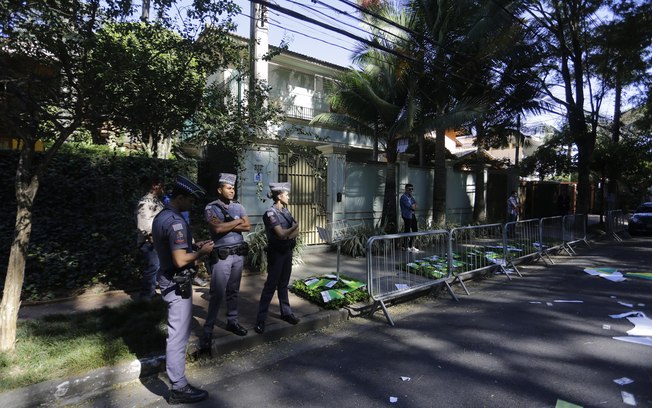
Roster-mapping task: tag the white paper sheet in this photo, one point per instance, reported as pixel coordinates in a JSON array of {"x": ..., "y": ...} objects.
[{"x": 646, "y": 341}]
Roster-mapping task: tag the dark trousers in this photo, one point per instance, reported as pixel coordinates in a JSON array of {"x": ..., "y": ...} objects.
[
  {"x": 410, "y": 225},
  {"x": 151, "y": 265},
  {"x": 279, "y": 268}
]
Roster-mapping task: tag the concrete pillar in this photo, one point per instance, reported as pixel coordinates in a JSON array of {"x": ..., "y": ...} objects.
[{"x": 335, "y": 181}]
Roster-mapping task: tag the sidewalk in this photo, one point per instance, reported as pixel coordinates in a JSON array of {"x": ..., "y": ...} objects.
[
  {"x": 317, "y": 261},
  {"x": 629, "y": 255}
]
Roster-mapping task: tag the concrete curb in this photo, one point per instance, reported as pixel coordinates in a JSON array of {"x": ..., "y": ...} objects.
[{"x": 76, "y": 389}]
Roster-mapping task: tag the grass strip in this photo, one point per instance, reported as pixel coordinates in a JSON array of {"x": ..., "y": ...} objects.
[{"x": 61, "y": 346}]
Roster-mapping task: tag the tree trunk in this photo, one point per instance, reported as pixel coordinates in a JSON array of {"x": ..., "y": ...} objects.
[
  {"x": 388, "y": 217},
  {"x": 439, "y": 187},
  {"x": 10, "y": 304},
  {"x": 479, "y": 202}
]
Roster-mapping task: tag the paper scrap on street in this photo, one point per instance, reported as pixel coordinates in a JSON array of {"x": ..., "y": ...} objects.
[
  {"x": 611, "y": 274},
  {"x": 628, "y": 398},
  {"x": 568, "y": 301},
  {"x": 646, "y": 341},
  {"x": 405, "y": 378},
  {"x": 393, "y": 399},
  {"x": 623, "y": 381},
  {"x": 606, "y": 327},
  {"x": 639, "y": 275},
  {"x": 626, "y": 304},
  {"x": 632, "y": 313},
  {"x": 566, "y": 404},
  {"x": 401, "y": 286}
]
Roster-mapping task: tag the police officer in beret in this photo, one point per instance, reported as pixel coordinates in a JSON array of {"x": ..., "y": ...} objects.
[
  {"x": 227, "y": 220},
  {"x": 281, "y": 229},
  {"x": 173, "y": 243}
]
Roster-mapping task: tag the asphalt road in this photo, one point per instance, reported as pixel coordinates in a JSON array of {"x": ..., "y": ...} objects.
[{"x": 508, "y": 344}]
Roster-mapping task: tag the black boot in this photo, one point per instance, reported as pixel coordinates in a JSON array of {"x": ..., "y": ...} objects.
[{"x": 187, "y": 395}]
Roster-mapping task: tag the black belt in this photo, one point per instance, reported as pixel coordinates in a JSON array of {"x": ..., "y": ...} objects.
[{"x": 223, "y": 252}]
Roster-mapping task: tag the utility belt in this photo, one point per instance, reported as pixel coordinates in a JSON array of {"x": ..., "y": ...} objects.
[
  {"x": 222, "y": 253},
  {"x": 182, "y": 277}
]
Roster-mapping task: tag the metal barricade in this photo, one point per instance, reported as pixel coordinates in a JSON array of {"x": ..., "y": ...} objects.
[
  {"x": 476, "y": 249},
  {"x": 552, "y": 237},
  {"x": 574, "y": 230},
  {"x": 521, "y": 241},
  {"x": 393, "y": 271},
  {"x": 617, "y": 225}
]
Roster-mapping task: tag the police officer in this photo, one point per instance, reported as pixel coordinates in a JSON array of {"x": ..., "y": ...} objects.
[
  {"x": 227, "y": 220},
  {"x": 173, "y": 243},
  {"x": 148, "y": 206},
  {"x": 282, "y": 230}
]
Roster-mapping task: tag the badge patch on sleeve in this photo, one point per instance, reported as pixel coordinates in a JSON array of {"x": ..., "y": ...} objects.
[
  {"x": 177, "y": 226},
  {"x": 180, "y": 238}
]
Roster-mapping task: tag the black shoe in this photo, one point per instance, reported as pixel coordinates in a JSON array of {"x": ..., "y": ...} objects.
[
  {"x": 236, "y": 329},
  {"x": 187, "y": 395},
  {"x": 206, "y": 343},
  {"x": 292, "y": 319},
  {"x": 260, "y": 327}
]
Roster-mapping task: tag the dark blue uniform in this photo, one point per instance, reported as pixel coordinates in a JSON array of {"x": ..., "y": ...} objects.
[
  {"x": 279, "y": 263},
  {"x": 171, "y": 232}
]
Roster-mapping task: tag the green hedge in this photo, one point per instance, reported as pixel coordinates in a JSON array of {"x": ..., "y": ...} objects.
[{"x": 83, "y": 220}]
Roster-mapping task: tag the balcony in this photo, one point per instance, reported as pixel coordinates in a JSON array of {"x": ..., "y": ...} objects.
[{"x": 300, "y": 112}]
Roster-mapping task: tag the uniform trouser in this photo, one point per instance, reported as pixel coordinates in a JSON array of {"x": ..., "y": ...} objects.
[
  {"x": 410, "y": 225},
  {"x": 510, "y": 228},
  {"x": 225, "y": 280},
  {"x": 150, "y": 269},
  {"x": 179, "y": 319},
  {"x": 279, "y": 268}
]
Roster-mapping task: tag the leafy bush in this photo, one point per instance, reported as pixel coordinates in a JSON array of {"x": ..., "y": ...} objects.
[
  {"x": 83, "y": 230},
  {"x": 356, "y": 244}
]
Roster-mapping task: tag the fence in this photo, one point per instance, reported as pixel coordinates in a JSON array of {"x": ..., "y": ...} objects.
[
  {"x": 521, "y": 242},
  {"x": 393, "y": 271},
  {"x": 574, "y": 230},
  {"x": 446, "y": 257},
  {"x": 476, "y": 249},
  {"x": 617, "y": 225},
  {"x": 551, "y": 237}
]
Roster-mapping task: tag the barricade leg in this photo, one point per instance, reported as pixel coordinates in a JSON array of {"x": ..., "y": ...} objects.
[{"x": 381, "y": 304}]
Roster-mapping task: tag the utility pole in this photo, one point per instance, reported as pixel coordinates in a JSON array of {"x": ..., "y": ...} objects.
[
  {"x": 145, "y": 12},
  {"x": 258, "y": 44},
  {"x": 518, "y": 139}
]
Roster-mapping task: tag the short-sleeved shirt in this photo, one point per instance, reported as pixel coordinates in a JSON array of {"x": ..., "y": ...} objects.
[
  {"x": 148, "y": 206},
  {"x": 220, "y": 210},
  {"x": 170, "y": 232},
  {"x": 273, "y": 217},
  {"x": 406, "y": 202}
]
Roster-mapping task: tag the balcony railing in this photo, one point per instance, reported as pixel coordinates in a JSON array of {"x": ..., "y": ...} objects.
[{"x": 300, "y": 112}]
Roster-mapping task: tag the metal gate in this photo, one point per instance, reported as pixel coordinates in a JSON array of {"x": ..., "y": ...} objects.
[{"x": 308, "y": 195}]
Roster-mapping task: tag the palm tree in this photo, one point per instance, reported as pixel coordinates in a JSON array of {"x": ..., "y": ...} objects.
[{"x": 378, "y": 100}]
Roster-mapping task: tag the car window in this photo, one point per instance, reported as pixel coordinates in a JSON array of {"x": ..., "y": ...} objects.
[{"x": 644, "y": 209}]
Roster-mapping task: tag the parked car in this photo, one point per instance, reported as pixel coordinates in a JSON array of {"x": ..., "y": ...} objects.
[{"x": 641, "y": 219}]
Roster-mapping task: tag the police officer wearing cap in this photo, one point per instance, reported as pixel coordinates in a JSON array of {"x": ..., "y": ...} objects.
[
  {"x": 173, "y": 243},
  {"x": 227, "y": 220},
  {"x": 281, "y": 229}
]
